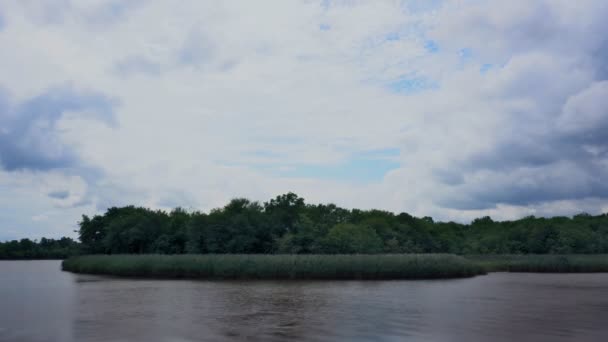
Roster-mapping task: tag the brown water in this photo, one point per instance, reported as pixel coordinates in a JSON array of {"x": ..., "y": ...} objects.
[{"x": 38, "y": 302}]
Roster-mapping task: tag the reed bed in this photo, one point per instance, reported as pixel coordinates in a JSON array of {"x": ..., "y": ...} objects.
[
  {"x": 280, "y": 267},
  {"x": 545, "y": 263}
]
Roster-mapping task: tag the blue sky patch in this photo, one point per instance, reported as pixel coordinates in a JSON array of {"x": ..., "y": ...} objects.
[
  {"x": 356, "y": 169},
  {"x": 324, "y": 27},
  {"x": 431, "y": 46},
  {"x": 325, "y": 4},
  {"x": 265, "y": 154},
  {"x": 392, "y": 36},
  {"x": 420, "y": 6},
  {"x": 364, "y": 167},
  {"x": 465, "y": 54},
  {"x": 412, "y": 84},
  {"x": 485, "y": 68},
  {"x": 381, "y": 153}
]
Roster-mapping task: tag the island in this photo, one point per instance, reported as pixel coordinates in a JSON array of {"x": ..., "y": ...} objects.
[{"x": 287, "y": 238}]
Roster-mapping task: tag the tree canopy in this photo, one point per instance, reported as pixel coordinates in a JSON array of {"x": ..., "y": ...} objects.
[{"x": 287, "y": 224}]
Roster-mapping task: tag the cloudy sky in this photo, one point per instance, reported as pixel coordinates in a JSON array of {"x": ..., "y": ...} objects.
[{"x": 453, "y": 109}]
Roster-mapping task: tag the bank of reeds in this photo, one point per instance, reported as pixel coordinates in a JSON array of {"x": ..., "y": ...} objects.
[
  {"x": 545, "y": 263},
  {"x": 242, "y": 266}
]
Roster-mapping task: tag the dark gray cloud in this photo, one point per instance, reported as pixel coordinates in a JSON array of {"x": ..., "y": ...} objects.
[
  {"x": 553, "y": 95},
  {"x": 29, "y": 138},
  {"x": 528, "y": 185},
  {"x": 448, "y": 176},
  {"x": 59, "y": 194},
  {"x": 568, "y": 160}
]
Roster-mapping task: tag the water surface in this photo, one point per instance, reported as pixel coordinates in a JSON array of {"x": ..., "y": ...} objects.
[{"x": 38, "y": 302}]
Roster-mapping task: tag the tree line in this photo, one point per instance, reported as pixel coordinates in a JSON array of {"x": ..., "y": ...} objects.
[
  {"x": 43, "y": 249},
  {"x": 286, "y": 224}
]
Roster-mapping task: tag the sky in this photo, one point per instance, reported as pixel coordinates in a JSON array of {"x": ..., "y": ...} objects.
[{"x": 453, "y": 109}]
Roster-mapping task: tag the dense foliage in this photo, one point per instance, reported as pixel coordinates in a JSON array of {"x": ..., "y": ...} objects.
[
  {"x": 336, "y": 266},
  {"x": 286, "y": 224},
  {"x": 43, "y": 249},
  {"x": 248, "y": 266},
  {"x": 548, "y": 263}
]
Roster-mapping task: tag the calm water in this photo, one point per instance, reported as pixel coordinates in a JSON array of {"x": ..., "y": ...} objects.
[{"x": 38, "y": 302}]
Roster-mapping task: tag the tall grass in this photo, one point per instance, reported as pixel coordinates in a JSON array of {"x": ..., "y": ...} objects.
[
  {"x": 241, "y": 266},
  {"x": 545, "y": 263}
]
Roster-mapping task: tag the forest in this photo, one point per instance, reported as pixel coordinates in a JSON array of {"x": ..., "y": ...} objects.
[
  {"x": 286, "y": 224},
  {"x": 43, "y": 249}
]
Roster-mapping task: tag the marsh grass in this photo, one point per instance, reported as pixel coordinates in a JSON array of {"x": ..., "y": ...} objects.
[
  {"x": 255, "y": 266},
  {"x": 546, "y": 263}
]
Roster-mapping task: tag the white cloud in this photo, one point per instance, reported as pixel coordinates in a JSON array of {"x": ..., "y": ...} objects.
[{"x": 213, "y": 96}]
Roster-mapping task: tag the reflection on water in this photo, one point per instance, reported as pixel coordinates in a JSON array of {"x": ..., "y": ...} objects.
[{"x": 40, "y": 303}]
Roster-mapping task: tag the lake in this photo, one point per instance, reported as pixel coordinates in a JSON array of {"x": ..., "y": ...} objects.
[{"x": 39, "y": 302}]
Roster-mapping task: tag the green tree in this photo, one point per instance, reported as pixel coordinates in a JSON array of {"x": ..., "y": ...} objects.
[{"x": 351, "y": 238}]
